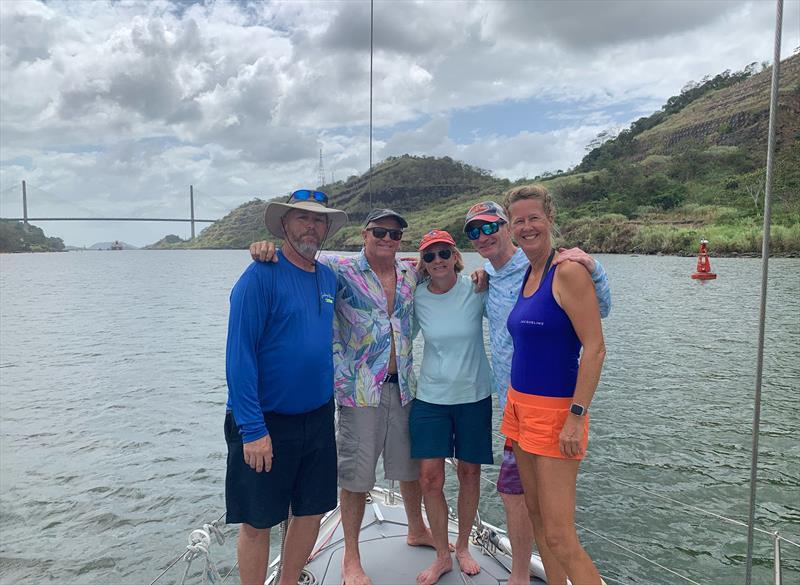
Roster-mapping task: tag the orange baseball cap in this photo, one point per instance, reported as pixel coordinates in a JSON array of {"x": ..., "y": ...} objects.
[{"x": 435, "y": 236}]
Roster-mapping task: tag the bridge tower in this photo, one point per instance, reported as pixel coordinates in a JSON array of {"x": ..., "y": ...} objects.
[
  {"x": 191, "y": 205},
  {"x": 24, "y": 206}
]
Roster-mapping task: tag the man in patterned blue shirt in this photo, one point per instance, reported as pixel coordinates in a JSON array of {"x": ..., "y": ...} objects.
[{"x": 486, "y": 226}]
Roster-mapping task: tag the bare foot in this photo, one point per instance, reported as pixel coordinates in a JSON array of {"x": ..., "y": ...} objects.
[
  {"x": 420, "y": 538},
  {"x": 424, "y": 539},
  {"x": 432, "y": 574},
  {"x": 469, "y": 565},
  {"x": 353, "y": 574}
]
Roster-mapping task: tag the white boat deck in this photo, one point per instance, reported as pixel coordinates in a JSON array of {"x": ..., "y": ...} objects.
[{"x": 386, "y": 557}]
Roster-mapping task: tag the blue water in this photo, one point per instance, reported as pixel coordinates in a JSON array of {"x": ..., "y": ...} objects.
[{"x": 112, "y": 392}]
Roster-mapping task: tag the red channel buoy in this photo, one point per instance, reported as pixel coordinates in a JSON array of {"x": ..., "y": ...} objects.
[{"x": 703, "y": 264}]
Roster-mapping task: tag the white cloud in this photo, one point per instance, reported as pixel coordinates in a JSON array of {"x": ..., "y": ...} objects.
[{"x": 116, "y": 107}]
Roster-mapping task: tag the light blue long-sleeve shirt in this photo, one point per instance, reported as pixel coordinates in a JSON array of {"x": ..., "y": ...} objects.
[{"x": 504, "y": 285}]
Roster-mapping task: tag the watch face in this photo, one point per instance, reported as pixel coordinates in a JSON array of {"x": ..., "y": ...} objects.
[{"x": 577, "y": 409}]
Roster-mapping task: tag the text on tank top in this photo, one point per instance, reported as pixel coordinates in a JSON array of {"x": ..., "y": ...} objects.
[{"x": 546, "y": 347}]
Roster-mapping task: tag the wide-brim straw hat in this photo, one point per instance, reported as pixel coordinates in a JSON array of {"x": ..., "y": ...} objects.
[{"x": 275, "y": 211}]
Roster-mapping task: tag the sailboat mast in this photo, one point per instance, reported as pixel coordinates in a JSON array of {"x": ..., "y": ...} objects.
[
  {"x": 773, "y": 110},
  {"x": 371, "y": 26}
]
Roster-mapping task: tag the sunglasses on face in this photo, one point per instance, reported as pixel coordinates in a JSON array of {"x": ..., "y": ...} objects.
[
  {"x": 443, "y": 254},
  {"x": 486, "y": 229},
  {"x": 380, "y": 233},
  {"x": 307, "y": 195}
]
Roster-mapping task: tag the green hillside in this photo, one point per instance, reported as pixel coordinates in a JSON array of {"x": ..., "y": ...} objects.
[
  {"x": 693, "y": 169},
  {"x": 428, "y": 191},
  {"x": 15, "y": 238}
]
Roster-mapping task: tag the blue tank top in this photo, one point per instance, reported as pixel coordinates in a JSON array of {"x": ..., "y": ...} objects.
[{"x": 546, "y": 347}]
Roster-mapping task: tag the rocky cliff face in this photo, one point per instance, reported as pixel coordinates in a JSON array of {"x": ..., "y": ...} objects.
[{"x": 734, "y": 116}]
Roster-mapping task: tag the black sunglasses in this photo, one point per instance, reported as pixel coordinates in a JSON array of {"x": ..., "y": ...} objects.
[
  {"x": 380, "y": 233},
  {"x": 487, "y": 229},
  {"x": 443, "y": 254},
  {"x": 306, "y": 195}
]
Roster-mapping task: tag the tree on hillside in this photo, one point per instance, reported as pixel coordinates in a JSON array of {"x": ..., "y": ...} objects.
[
  {"x": 17, "y": 237},
  {"x": 603, "y": 149}
]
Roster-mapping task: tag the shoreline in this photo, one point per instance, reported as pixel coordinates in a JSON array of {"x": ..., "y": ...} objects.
[{"x": 677, "y": 254}]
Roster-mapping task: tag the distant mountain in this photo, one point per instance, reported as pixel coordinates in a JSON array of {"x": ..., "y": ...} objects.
[
  {"x": 693, "y": 169},
  {"x": 422, "y": 188},
  {"x": 168, "y": 242},
  {"x": 115, "y": 245},
  {"x": 14, "y": 237}
]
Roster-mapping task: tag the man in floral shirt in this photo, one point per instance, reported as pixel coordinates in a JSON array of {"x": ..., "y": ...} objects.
[
  {"x": 373, "y": 378},
  {"x": 374, "y": 381}
]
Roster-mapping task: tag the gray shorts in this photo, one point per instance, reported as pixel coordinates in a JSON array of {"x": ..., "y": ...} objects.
[{"x": 364, "y": 432}]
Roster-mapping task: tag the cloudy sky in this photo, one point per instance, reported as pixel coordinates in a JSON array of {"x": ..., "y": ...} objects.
[{"x": 115, "y": 108}]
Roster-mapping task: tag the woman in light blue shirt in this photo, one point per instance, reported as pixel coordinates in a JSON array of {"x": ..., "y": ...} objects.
[{"x": 452, "y": 413}]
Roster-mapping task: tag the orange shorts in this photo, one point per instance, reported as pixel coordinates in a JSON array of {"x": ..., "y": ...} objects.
[{"x": 536, "y": 421}]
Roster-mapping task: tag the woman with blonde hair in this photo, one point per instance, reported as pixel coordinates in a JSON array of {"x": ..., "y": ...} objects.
[
  {"x": 452, "y": 413},
  {"x": 552, "y": 384}
]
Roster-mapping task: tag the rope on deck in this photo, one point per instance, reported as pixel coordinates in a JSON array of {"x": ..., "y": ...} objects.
[{"x": 200, "y": 541}]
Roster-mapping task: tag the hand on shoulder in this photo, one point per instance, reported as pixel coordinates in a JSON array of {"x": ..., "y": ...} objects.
[
  {"x": 574, "y": 255},
  {"x": 480, "y": 279},
  {"x": 263, "y": 251}
]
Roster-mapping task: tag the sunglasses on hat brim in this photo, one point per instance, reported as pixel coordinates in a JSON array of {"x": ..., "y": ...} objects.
[
  {"x": 308, "y": 195},
  {"x": 486, "y": 229}
]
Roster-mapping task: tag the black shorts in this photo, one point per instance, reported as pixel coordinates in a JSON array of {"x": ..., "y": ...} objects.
[{"x": 303, "y": 472}]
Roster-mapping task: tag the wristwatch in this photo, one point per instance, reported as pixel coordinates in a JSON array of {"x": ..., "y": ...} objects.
[{"x": 577, "y": 409}]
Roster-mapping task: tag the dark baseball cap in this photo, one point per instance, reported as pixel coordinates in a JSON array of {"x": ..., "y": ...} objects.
[{"x": 377, "y": 214}]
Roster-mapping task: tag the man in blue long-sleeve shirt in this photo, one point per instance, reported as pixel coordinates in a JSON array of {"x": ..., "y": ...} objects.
[{"x": 279, "y": 365}]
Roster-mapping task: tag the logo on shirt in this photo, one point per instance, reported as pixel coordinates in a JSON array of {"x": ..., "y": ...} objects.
[
  {"x": 326, "y": 298},
  {"x": 529, "y": 322}
]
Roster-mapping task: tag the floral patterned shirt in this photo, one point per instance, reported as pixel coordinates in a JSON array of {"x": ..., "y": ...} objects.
[{"x": 363, "y": 330}]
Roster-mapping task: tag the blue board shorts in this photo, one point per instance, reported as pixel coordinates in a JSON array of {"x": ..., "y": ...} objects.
[
  {"x": 303, "y": 472},
  {"x": 463, "y": 431}
]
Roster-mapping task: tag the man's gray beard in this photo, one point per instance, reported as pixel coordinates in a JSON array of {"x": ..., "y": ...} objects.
[{"x": 306, "y": 249}]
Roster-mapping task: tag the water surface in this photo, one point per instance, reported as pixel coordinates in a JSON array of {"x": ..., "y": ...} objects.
[{"x": 112, "y": 394}]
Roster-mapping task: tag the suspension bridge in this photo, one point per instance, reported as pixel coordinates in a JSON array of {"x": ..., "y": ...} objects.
[{"x": 26, "y": 218}]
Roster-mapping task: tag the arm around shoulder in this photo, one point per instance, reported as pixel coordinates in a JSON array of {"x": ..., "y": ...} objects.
[
  {"x": 332, "y": 261},
  {"x": 602, "y": 289}
]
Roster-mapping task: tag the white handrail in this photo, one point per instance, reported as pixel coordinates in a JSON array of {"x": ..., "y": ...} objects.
[
  {"x": 773, "y": 112},
  {"x": 775, "y": 536},
  {"x": 693, "y": 507},
  {"x": 639, "y": 555}
]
